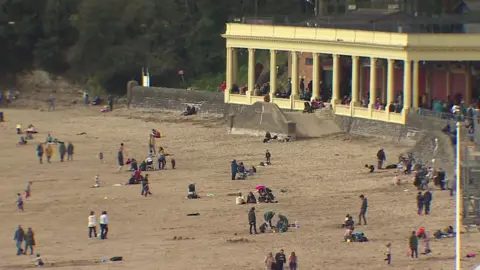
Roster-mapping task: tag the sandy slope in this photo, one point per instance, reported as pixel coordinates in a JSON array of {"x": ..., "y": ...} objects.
[{"x": 324, "y": 178}]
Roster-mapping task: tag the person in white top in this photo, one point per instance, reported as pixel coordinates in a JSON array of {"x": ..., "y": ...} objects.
[
  {"x": 97, "y": 181},
  {"x": 92, "y": 225},
  {"x": 103, "y": 225}
]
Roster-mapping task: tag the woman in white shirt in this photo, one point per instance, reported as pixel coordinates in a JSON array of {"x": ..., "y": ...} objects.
[
  {"x": 103, "y": 225},
  {"x": 92, "y": 225}
]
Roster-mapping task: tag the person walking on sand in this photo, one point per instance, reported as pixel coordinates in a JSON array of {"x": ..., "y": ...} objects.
[
  {"x": 420, "y": 202},
  {"x": 427, "y": 200},
  {"x": 269, "y": 262},
  {"x": 293, "y": 261},
  {"x": 62, "y": 150},
  {"x": 49, "y": 152},
  {"x": 19, "y": 236},
  {"x": 20, "y": 202},
  {"x": 280, "y": 259},
  {"x": 28, "y": 190},
  {"x": 40, "y": 152},
  {"x": 51, "y": 103},
  {"x": 29, "y": 241},
  {"x": 268, "y": 156},
  {"x": 252, "y": 220},
  {"x": 92, "y": 225},
  {"x": 413, "y": 244},
  {"x": 103, "y": 225},
  {"x": 363, "y": 210},
  {"x": 120, "y": 157},
  {"x": 388, "y": 253},
  {"x": 70, "y": 149}
]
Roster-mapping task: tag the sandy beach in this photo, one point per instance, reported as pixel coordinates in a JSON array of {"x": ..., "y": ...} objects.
[{"x": 323, "y": 179}]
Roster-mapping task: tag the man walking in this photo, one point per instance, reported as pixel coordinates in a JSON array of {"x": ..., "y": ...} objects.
[
  {"x": 19, "y": 237},
  {"x": 70, "y": 151},
  {"x": 103, "y": 225},
  {"x": 280, "y": 259},
  {"x": 29, "y": 241},
  {"x": 20, "y": 202},
  {"x": 62, "y": 150},
  {"x": 92, "y": 225},
  {"x": 252, "y": 220},
  {"x": 413, "y": 243},
  {"x": 51, "y": 103},
  {"x": 420, "y": 203},
  {"x": 363, "y": 210},
  {"x": 427, "y": 200}
]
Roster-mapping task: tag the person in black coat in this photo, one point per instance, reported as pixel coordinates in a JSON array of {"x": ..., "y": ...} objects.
[
  {"x": 381, "y": 156},
  {"x": 280, "y": 259},
  {"x": 427, "y": 200},
  {"x": 420, "y": 203},
  {"x": 252, "y": 220}
]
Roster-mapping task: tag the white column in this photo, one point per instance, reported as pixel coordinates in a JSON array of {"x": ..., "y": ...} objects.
[
  {"x": 316, "y": 76},
  {"x": 229, "y": 74},
  {"x": 416, "y": 90},
  {"x": 373, "y": 83},
  {"x": 355, "y": 79},
  {"x": 336, "y": 80},
  {"x": 273, "y": 73},
  {"x": 251, "y": 71},
  {"x": 407, "y": 87},
  {"x": 295, "y": 82}
]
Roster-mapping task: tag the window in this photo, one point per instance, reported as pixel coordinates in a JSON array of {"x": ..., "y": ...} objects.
[{"x": 309, "y": 61}]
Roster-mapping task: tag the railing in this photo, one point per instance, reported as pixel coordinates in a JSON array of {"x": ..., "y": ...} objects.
[{"x": 365, "y": 22}]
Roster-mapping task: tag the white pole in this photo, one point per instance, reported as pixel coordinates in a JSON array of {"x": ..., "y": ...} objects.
[{"x": 458, "y": 201}]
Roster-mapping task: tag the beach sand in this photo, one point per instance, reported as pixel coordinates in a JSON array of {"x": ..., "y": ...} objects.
[{"x": 323, "y": 179}]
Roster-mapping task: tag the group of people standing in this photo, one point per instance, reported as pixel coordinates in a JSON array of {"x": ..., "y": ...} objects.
[
  {"x": 278, "y": 262},
  {"x": 92, "y": 225},
  {"x": 48, "y": 151}
]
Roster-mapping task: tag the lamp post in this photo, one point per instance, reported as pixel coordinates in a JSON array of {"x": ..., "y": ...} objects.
[{"x": 458, "y": 200}]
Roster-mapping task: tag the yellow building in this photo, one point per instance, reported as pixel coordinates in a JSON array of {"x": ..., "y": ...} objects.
[{"x": 382, "y": 49}]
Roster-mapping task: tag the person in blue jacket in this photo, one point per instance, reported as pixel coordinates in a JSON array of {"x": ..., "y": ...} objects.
[{"x": 234, "y": 169}]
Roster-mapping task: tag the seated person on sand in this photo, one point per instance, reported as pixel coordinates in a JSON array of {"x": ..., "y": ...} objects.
[
  {"x": 371, "y": 168},
  {"x": 251, "y": 198},
  {"x": 349, "y": 223},
  {"x": 242, "y": 172},
  {"x": 31, "y": 129},
  {"x": 284, "y": 139},
  {"x": 22, "y": 141},
  {"x": 268, "y": 137},
  {"x": 240, "y": 200},
  {"x": 105, "y": 109},
  {"x": 192, "y": 194},
  {"x": 143, "y": 166},
  {"x": 252, "y": 171},
  {"x": 156, "y": 133},
  {"x": 189, "y": 111},
  {"x": 38, "y": 261},
  {"x": 96, "y": 100},
  {"x": 133, "y": 165}
]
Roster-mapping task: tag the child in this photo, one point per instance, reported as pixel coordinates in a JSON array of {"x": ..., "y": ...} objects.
[
  {"x": 38, "y": 261},
  {"x": 173, "y": 163},
  {"x": 20, "y": 202},
  {"x": 28, "y": 190},
  {"x": 388, "y": 253},
  {"x": 97, "y": 181}
]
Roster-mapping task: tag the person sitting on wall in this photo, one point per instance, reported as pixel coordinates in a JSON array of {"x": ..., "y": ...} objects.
[{"x": 235, "y": 89}]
